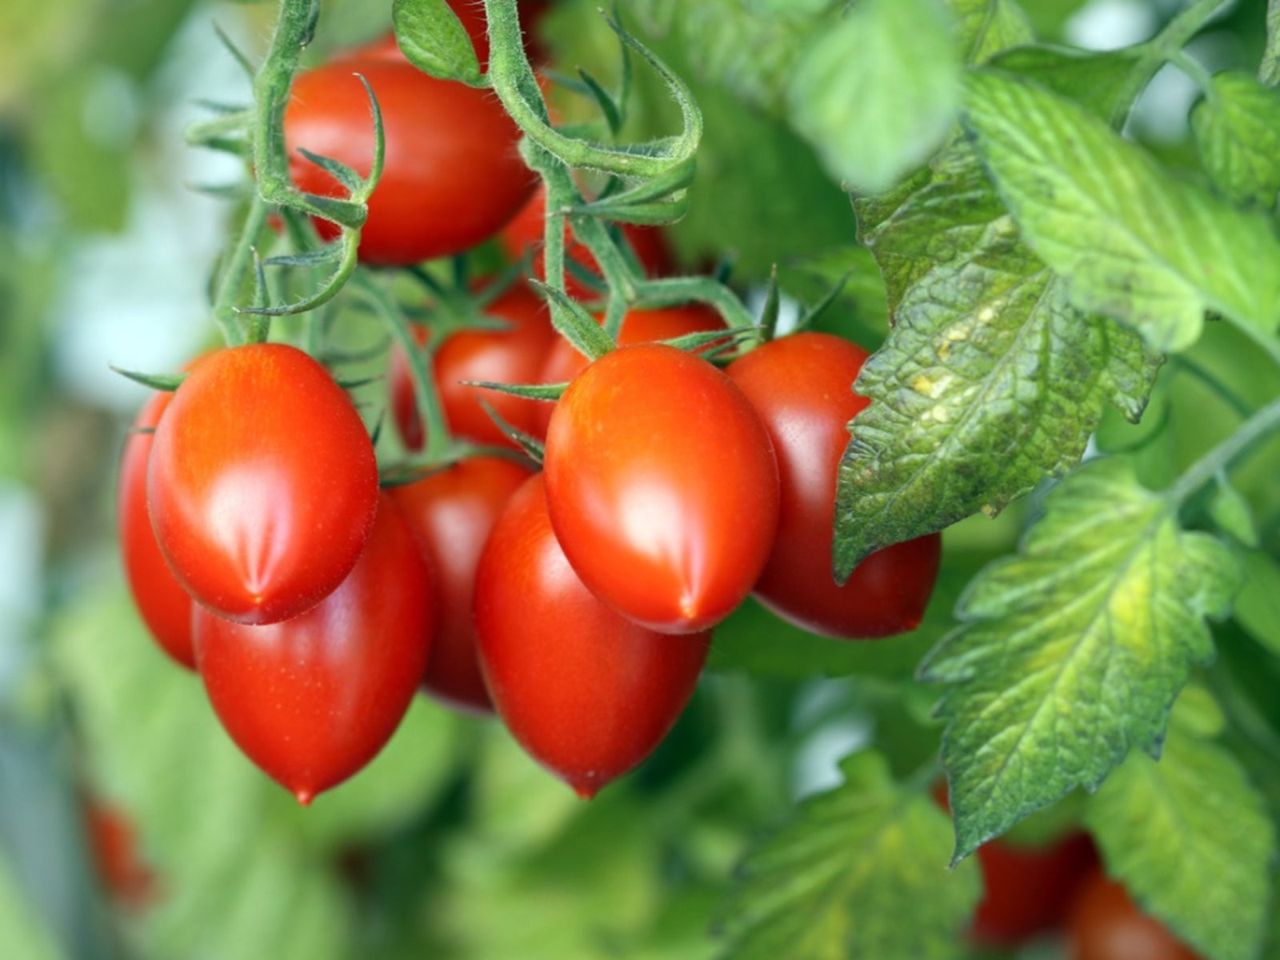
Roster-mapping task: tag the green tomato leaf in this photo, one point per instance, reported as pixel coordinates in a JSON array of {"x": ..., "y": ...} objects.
[
  {"x": 838, "y": 880},
  {"x": 1129, "y": 240},
  {"x": 876, "y": 94},
  {"x": 1232, "y": 514},
  {"x": 1096, "y": 81},
  {"x": 1073, "y": 650},
  {"x": 986, "y": 27},
  {"x": 1190, "y": 838},
  {"x": 431, "y": 36},
  {"x": 1269, "y": 71},
  {"x": 1257, "y": 607},
  {"x": 1237, "y": 130}
]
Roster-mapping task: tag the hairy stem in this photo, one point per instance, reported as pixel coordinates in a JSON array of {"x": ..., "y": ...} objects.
[{"x": 1204, "y": 470}]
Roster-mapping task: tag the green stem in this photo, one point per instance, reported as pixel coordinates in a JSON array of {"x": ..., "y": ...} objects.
[
  {"x": 1206, "y": 468},
  {"x": 1164, "y": 47},
  {"x": 235, "y": 329}
]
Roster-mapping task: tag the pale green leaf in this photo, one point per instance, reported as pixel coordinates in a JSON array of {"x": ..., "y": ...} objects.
[
  {"x": 837, "y": 882},
  {"x": 1129, "y": 240},
  {"x": 877, "y": 93},
  {"x": 1269, "y": 71},
  {"x": 986, "y": 27},
  {"x": 430, "y": 35},
  {"x": 1190, "y": 838},
  {"x": 1073, "y": 650},
  {"x": 1237, "y": 130}
]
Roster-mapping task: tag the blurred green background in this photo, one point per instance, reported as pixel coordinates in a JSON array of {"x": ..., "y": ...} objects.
[{"x": 452, "y": 844}]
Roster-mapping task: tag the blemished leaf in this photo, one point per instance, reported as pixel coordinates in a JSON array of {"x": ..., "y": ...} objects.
[
  {"x": 1237, "y": 130},
  {"x": 1129, "y": 240},
  {"x": 1072, "y": 652},
  {"x": 986, "y": 27},
  {"x": 840, "y": 878},
  {"x": 876, "y": 94},
  {"x": 430, "y": 35},
  {"x": 1190, "y": 838}
]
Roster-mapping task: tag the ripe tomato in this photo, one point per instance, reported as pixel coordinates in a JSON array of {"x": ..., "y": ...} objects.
[
  {"x": 262, "y": 485},
  {"x": 164, "y": 605},
  {"x": 117, "y": 855},
  {"x": 662, "y": 487},
  {"x": 471, "y": 14},
  {"x": 1028, "y": 889},
  {"x": 515, "y": 355},
  {"x": 586, "y": 692},
  {"x": 313, "y": 699},
  {"x": 638, "y": 326},
  {"x": 451, "y": 178},
  {"x": 801, "y": 386},
  {"x": 1105, "y": 924},
  {"x": 450, "y": 514},
  {"x": 526, "y": 230}
]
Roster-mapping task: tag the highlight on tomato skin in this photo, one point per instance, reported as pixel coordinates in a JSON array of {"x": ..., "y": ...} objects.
[
  {"x": 451, "y": 175},
  {"x": 802, "y": 387},
  {"x": 586, "y": 692},
  {"x": 513, "y": 355},
  {"x": 262, "y": 483},
  {"x": 451, "y": 513},
  {"x": 1106, "y": 924},
  {"x": 662, "y": 487},
  {"x": 313, "y": 699},
  {"x": 639, "y": 325},
  {"x": 164, "y": 605}
]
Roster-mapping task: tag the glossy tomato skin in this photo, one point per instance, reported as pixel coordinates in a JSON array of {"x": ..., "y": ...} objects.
[
  {"x": 451, "y": 513},
  {"x": 1105, "y": 924},
  {"x": 165, "y": 607},
  {"x": 1028, "y": 889},
  {"x": 801, "y": 386},
  {"x": 451, "y": 176},
  {"x": 313, "y": 699},
  {"x": 586, "y": 692},
  {"x": 563, "y": 362},
  {"x": 662, "y": 487},
  {"x": 262, "y": 483},
  {"x": 527, "y": 230},
  {"x": 514, "y": 355}
]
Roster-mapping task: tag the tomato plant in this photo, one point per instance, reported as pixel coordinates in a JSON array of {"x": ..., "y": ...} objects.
[
  {"x": 313, "y": 699},
  {"x": 471, "y": 16},
  {"x": 451, "y": 513},
  {"x": 262, "y": 485},
  {"x": 1105, "y": 924},
  {"x": 659, "y": 530},
  {"x": 588, "y": 693},
  {"x": 512, "y": 355},
  {"x": 164, "y": 604},
  {"x": 447, "y": 183},
  {"x": 801, "y": 387}
]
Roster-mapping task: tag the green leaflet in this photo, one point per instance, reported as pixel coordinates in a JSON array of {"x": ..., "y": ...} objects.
[
  {"x": 986, "y": 27},
  {"x": 1073, "y": 650},
  {"x": 876, "y": 93},
  {"x": 1190, "y": 838},
  {"x": 1128, "y": 240},
  {"x": 1237, "y": 130},
  {"x": 432, "y": 37},
  {"x": 834, "y": 883},
  {"x": 1269, "y": 70}
]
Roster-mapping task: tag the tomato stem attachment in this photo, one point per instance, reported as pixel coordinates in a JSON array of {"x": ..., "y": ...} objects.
[{"x": 235, "y": 329}]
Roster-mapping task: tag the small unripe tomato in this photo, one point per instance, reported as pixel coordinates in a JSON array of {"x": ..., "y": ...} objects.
[
  {"x": 262, "y": 484},
  {"x": 802, "y": 388},
  {"x": 313, "y": 699},
  {"x": 662, "y": 487},
  {"x": 586, "y": 692}
]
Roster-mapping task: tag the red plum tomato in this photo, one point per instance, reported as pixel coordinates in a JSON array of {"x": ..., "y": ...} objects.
[
  {"x": 662, "y": 487},
  {"x": 802, "y": 388},
  {"x": 313, "y": 699},
  {"x": 1105, "y": 924},
  {"x": 586, "y": 692},
  {"x": 262, "y": 483}
]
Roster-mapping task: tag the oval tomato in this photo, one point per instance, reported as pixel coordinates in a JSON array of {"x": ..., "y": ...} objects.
[
  {"x": 515, "y": 355},
  {"x": 451, "y": 176},
  {"x": 527, "y": 230},
  {"x": 451, "y": 513},
  {"x": 313, "y": 699},
  {"x": 586, "y": 692},
  {"x": 262, "y": 484},
  {"x": 563, "y": 362},
  {"x": 802, "y": 388},
  {"x": 662, "y": 487},
  {"x": 1106, "y": 924},
  {"x": 165, "y": 607}
]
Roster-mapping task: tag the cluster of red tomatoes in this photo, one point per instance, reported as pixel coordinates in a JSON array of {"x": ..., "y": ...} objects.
[{"x": 577, "y": 600}]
